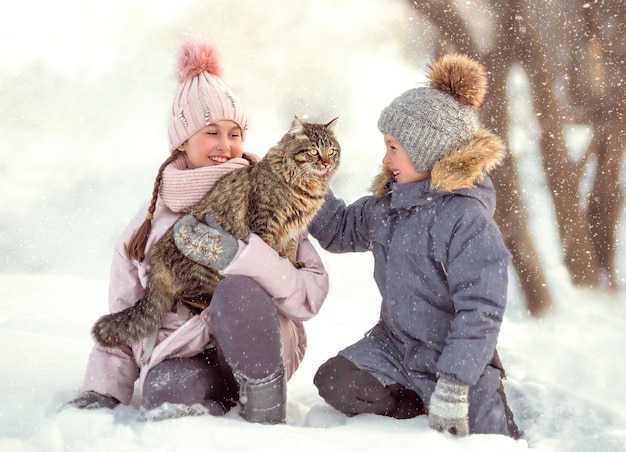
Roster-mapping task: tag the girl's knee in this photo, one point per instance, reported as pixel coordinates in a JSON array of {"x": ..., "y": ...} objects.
[
  {"x": 238, "y": 292},
  {"x": 235, "y": 282},
  {"x": 156, "y": 389}
]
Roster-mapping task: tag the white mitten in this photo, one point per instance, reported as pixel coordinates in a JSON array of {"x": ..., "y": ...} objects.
[{"x": 449, "y": 407}]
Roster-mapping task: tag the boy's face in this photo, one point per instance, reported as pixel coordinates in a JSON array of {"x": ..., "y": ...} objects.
[
  {"x": 399, "y": 162},
  {"x": 213, "y": 145}
]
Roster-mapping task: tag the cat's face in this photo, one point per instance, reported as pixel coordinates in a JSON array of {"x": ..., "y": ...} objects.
[{"x": 317, "y": 151}]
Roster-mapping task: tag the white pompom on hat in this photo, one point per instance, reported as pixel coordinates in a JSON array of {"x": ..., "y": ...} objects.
[{"x": 202, "y": 98}]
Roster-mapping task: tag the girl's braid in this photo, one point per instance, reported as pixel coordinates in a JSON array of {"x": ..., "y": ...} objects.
[{"x": 136, "y": 248}]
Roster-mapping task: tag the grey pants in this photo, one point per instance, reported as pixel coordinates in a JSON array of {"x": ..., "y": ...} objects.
[
  {"x": 383, "y": 357},
  {"x": 247, "y": 334}
]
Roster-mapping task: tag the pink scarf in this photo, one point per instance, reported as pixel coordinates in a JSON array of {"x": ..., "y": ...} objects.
[{"x": 182, "y": 188}]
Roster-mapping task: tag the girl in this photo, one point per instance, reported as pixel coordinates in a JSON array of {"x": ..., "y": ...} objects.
[{"x": 180, "y": 369}]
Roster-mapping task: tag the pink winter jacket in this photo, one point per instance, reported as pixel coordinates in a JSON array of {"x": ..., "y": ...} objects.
[{"x": 298, "y": 294}]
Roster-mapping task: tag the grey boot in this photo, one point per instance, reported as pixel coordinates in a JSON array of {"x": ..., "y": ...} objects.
[{"x": 264, "y": 401}]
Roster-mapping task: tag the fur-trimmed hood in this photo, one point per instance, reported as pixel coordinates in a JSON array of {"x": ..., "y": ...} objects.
[{"x": 461, "y": 168}]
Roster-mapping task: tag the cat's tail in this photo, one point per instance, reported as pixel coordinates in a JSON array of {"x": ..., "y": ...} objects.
[{"x": 129, "y": 325}]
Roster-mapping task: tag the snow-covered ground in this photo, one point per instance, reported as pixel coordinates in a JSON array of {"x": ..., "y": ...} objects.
[
  {"x": 565, "y": 378},
  {"x": 84, "y": 92}
]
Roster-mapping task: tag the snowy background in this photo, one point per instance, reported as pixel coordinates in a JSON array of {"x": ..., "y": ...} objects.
[{"x": 85, "y": 88}]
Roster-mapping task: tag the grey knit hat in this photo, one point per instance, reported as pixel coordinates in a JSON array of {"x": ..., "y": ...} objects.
[{"x": 431, "y": 121}]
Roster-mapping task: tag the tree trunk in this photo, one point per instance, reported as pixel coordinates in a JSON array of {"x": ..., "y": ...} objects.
[
  {"x": 511, "y": 214},
  {"x": 606, "y": 199},
  {"x": 561, "y": 173},
  {"x": 606, "y": 111}
]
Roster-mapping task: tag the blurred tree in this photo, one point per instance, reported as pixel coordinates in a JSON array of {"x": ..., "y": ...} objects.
[{"x": 575, "y": 77}]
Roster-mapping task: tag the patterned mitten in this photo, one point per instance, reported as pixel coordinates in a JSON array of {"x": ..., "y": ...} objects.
[
  {"x": 91, "y": 400},
  {"x": 449, "y": 406},
  {"x": 207, "y": 244}
]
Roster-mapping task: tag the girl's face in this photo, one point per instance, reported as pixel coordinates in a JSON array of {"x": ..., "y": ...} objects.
[
  {"x": 399, "y": 162},
  {"x": 213, "y": 145}
]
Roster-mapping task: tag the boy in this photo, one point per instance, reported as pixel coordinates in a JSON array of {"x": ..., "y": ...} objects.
[{"x": 440, "y": 265}]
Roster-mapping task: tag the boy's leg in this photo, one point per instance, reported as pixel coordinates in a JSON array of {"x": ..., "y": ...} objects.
[
  {"x": 354, "y": 391},
  {"x": 488, "y": 408},
  {"x": 247, "y": 333}
]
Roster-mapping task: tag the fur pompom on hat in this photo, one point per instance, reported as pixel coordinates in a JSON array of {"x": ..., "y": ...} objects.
[
  {"x": 202, "y": 98},
  {"x": 431, "y": 121}
]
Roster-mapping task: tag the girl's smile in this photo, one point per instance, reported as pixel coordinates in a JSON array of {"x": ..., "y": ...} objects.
[{"x": 215, "y": 144}]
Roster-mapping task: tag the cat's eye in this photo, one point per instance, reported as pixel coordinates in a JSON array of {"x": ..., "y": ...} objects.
[
  {"x": 331, "y": 152},
  {"x": 313, "y": 151}
]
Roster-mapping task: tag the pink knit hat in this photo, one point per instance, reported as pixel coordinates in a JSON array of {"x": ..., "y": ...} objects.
[{"x": 203, "y": 98}]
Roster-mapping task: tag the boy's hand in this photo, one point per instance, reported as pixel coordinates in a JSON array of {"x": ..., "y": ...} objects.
[{"x": 449, "y": 406}]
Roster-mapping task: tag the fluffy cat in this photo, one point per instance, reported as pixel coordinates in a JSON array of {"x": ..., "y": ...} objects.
[{"x": 275, "y": 198}]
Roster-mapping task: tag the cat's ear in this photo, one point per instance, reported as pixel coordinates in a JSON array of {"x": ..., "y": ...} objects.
[
  {"x": 331, "y": 125},
  {"x": 297, "y": 126}
]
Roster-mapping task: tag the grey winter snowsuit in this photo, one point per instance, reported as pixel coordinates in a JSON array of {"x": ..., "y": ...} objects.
[{"x": 441, "y": 268}]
